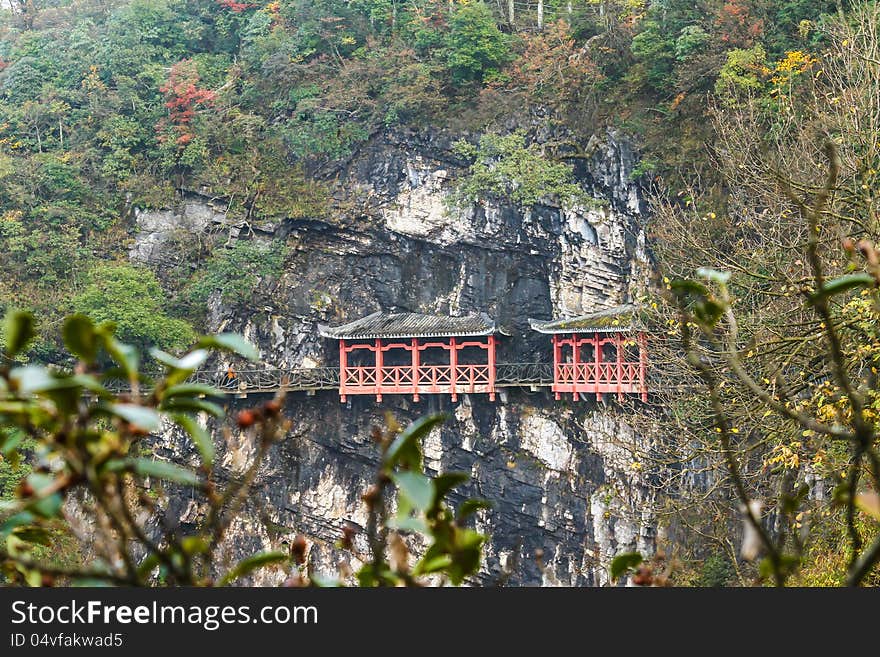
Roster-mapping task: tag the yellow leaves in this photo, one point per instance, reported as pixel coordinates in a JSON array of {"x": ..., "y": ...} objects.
[{"x": 785, "y": 455}]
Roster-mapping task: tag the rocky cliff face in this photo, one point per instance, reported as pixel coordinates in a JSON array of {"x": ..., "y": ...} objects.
[{"x": 560, "y": 473}]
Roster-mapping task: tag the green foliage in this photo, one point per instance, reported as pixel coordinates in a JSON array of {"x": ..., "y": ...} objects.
[
  {"x": 716, "y": 571},
  {"x": 625, "y": 563},
  {"x": 743, "y": 74},
  {"x": 99, "y": 441},
  {"x": 237, "y": 271},
  {"x": 453, "y": 551},
  {"x": 476, "y": 48},
  {"x": 509, "y": 167},
  {"x": 95, "y": 440},
  {"x": 132, "y": 299}
]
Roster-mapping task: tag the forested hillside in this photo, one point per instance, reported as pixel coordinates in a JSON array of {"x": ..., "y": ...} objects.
[{"x": 107, "y": 106}]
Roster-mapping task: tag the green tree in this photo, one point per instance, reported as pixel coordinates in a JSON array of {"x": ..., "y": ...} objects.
[
  {"x": 506, "y": 166},
  {"x": 237, "y": 271},
  {"x": 132, "y": 298},
  {"x": 476, "y": 48}
]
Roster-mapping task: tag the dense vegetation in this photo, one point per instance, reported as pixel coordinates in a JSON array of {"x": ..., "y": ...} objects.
[
  {"x": 745, "y": 109},
  {"x": 105, "y": 106}
]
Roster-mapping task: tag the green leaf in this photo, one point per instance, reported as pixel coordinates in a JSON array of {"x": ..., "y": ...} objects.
[
  {"x": 47, "y": 507},
  {"x": 720, "y": 277},
  {"x": 43, "y": 504},
  {"x": 445, "y": 482},
  {"x": 11, "y": 441},
  {"x": 80, "y": 338},
  {"x": 187, "y": 404},
  {"x": 416, "y": 487},
  {"x": 190, "y": 361},
  {"x": 405, "y": 450},
  {"x": 165, "y": 470},
  {"x": 843, "y": 284},
  {"x": 17, "y": 520},
  {"x": 232, "y": 342},
  {"x": 252, "y": 563},
  {"x": 433, "y": 564},
  {"x": 409, "y": 523},
  {"x": 469, "y": 507},
  {"x": 139, "y": 416},
  {"x": 684, "y": 287},
  {"x": 195, "y": 545},
  {"x": 153, "y": 468},
  {"x": 624, "y": 562},
  {"x": 33, "y": 534},
  {"x": 20, "y": 330},
  {"x": 125, "y": 355},
  {"x": 200, "y": 436},
  {"x": 35, "y": 379}
]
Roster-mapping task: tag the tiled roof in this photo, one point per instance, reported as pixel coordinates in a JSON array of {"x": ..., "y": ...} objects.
[
  {"x": 410, "y": 325},
  {"x": 609, "y": 320}
]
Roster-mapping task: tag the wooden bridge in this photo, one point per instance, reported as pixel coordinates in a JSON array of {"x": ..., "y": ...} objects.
[
  {"x": 415, "y": 354},
  {"x": 311, "y": 379}
]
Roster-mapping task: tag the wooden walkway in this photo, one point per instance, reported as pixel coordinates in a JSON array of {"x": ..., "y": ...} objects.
[{"x": 245, "y": 382}]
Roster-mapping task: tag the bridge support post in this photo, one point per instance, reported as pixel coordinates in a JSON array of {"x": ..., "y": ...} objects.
[
  {"x": 453, "y": 368},
  {"x": 574, "y": 367},
  {"x": 618, "y": 348},
  {"x": 557, "y": 367},
  {"x": 415, "y": 368},
  {"x": 491, "y": 354},
  {"x": 343, "y": 369},
  {"x": 597, "y": 374},
  {"x": 379, "y": 376}
]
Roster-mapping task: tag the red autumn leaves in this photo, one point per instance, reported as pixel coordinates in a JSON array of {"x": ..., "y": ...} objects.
[{"x": 183, "y": 97}]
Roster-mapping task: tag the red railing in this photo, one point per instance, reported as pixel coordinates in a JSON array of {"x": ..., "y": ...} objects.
[
  {"x": 398, "y": 379},
  {"x": 601, "y": 372}
]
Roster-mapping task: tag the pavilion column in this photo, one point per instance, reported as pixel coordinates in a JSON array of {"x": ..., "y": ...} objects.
[
  {"x": 453, "y": 368},
  {"x": 379, "y": 375},
  {"x": 343, "y": 369},
  {"x": 574, "y": 366},
  {"x": 557, "y": 366},
  {"x": 597, "y": 374},
  {"x": 491, "y": 354},
  {"x": 415, "y": 368},
  {"x": 618, "y": 348},
  {"x": 643, "y": 365}
]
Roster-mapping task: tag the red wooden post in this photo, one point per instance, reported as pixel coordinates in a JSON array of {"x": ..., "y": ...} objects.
[
  {"x": 597, "y": 375},
  {"x": 453, "y": 366},
  {"x": 557, "y": 366},
  {"x": 415, "y": 368},
  {"x": 343, "y": 369},
  {"x": 574, "y": 366},
  {"x": 491, "y": 353},
  {"x": 618, "y": 346},
  {"x": 379, "y": 376},
  {"x": 643, "y": 365}
]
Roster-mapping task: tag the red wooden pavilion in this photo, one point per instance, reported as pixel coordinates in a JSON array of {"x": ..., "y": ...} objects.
[
  {"x": 411, "y": 353},
  {"x": 603, "y": 352}
]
